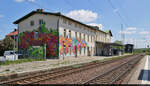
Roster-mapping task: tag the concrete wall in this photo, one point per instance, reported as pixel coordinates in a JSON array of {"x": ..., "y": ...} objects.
[
  {"x": 32, "y": 38},
  {"x": 51, "y": 22},
  {"x": 75, "y": 27}
]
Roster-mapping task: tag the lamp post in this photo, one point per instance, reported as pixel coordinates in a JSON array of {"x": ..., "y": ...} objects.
[
  {"x": 44, "y": 51},
  {"x": 14, "y": 48}
]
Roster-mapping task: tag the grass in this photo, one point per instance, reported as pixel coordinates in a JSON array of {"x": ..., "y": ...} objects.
[
  {"x": 107, "y": 59},
  {"x": 77, "y": 65},
  {"x": 147, "y": 53},
  {"x": 20, "y": 61}
]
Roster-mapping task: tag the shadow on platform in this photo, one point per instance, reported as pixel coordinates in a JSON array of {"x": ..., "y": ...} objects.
[{"x": 144, "y": 75}]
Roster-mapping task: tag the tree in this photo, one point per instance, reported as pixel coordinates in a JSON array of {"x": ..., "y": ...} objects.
[
  {"x": 6, "y": 44},
  {"x": 118, "y": 47},
  {"x": 1, "y": 48},
  {"x": 118, "y": 42}
]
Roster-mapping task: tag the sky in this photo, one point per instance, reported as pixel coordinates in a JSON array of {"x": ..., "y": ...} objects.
[{"x": 133, "y": 15}]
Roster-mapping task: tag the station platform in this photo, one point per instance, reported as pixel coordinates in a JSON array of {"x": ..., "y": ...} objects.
[
  {"x": 141, "y": 73},
  {"x": 48, "y": 64}
]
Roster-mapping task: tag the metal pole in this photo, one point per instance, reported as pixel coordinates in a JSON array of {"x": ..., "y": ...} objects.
[
  {"x": 44, "y": 51},
  {"x": 14, "y": 48}
]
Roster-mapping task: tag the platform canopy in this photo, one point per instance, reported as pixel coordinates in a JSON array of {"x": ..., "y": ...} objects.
[{"x": 113, "y": 44}]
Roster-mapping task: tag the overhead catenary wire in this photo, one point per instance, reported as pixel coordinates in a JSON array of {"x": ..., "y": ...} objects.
[
  {"x": 118, "y": 13},
  {"x": 99, "y": 9}
]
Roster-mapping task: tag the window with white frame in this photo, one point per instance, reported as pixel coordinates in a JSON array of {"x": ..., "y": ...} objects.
[
  {"x": 76, "y": 35},
  {"x": 32, "y": 23},
  {"x": 41, "y": 21},
  {"x": 69, "y": 33},
  {"x": 64, "y": 32}
]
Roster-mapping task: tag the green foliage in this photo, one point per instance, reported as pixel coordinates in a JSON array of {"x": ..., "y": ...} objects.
[
  {"x": 20, "y": 61},
  {"x": 118, "y": 47},
  {"x": 147, "y": 53},
  {"x": 36, "y": 51},
  {"x": 141, "y": 50},
  {"x": 2, "y": 49},
  {"x": 44, "y": 29},
  {"x": 77, "y": 65},
  {"x": 6, "y": 44},
  {"x": 9, "y": 43},
  {"x": 118, "y": 42}
]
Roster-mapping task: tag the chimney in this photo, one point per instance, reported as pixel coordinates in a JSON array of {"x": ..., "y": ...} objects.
[
  {"x": 15, "y": 29},
  {"x": 40, "y": 10}
]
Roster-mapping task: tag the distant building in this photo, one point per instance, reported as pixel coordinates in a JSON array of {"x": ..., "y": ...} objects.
[
  {"x": 14, "y": 36},
  {"x": 63, "y": 36},
  {"x": 13, "y": 33},
  {"x": 129, "y": 48}
]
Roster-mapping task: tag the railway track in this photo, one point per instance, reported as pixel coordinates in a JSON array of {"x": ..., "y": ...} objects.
[
  {"x": 56, "y": 73},
  {"x": 114, "y": 76}
]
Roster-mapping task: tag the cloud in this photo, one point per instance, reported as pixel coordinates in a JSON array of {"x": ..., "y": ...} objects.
[
  {"x": 24, "y": 0},
  {"x": 95, "y": 24},
  {"x": 129, "y": 30},
  {"x": 144, "y": 32},
  {"x": 83, "y": 15}
]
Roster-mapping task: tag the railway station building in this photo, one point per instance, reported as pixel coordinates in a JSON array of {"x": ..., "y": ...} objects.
[{"x": 53, "y": 35}]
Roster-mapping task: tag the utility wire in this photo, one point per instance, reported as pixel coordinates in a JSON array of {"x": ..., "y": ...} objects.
[
  {"x": 99, "y": 9},
  {"x": 117, "y": 12},
  {"x": 125, "y": 15}
]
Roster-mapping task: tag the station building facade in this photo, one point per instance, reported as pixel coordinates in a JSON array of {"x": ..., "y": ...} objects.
[{"x": 55, "y": 36}]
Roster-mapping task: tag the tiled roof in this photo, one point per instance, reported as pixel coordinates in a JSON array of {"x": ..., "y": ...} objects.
[
  {"x": 56, "y": 14},
  {"x": 13, "y": 33}
]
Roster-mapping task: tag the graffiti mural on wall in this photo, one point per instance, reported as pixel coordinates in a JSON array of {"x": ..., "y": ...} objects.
[
  {"x": 71, "y": 43},
  {"x": 29, "y": 41},
  {"x": 39, "y": 37}
]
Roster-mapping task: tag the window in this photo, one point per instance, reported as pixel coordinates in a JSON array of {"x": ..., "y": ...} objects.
[
  {"x": 84, "y": 36},
  {"x": 64, "y": 21},
  {"x": 91, "y": 38},
  {"x": 32, "y": 23},
  {"x": 76, "y": 35},
  {"x": 80, "y": 36},
  {"x": 64, "y": 32},
  {"x": 69, "y": 33},
  {"x": 88, "y": 38},
  {"x": 70, "y": 23},
  {"x": 41, "y": 21},
  {"x": 36, "y": 34}
]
